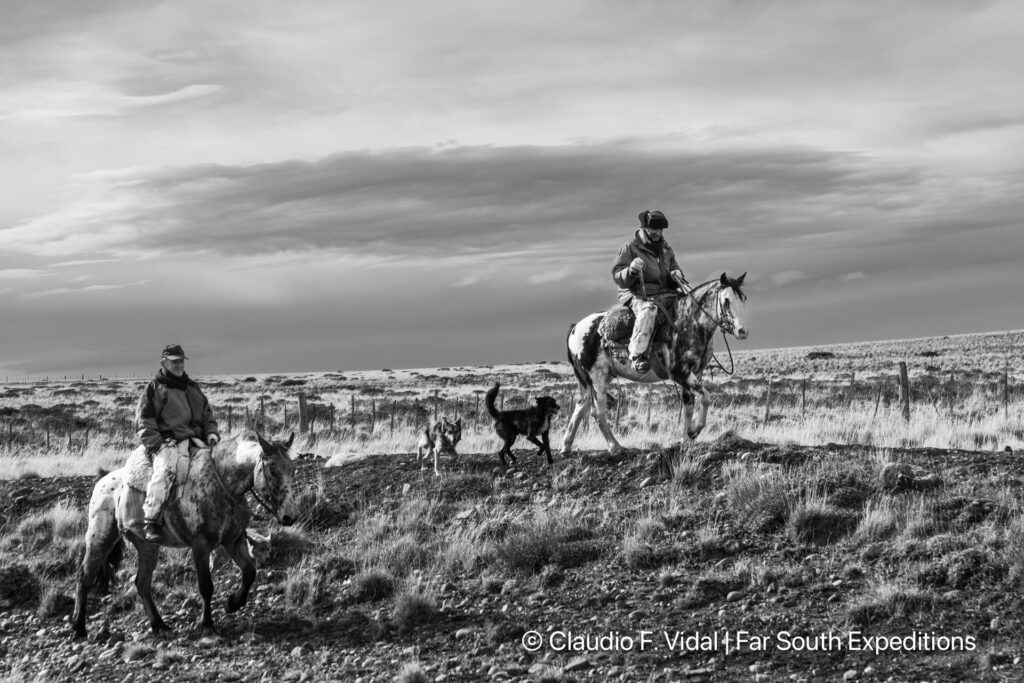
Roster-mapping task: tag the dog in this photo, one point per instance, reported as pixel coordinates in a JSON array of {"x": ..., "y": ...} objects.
[
  {"x": 440, "y": 439},
  {"x": 530, "y": 422}
]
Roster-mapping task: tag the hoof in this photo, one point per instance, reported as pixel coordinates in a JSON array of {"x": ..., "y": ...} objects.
[
  {"x": 161, "y": 627},
  {"x": 615, "y": 450},
  {"x": 231, "y": 605}
]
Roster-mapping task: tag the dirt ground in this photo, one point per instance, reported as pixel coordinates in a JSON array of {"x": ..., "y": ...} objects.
[{"x": 602, "y": 618}]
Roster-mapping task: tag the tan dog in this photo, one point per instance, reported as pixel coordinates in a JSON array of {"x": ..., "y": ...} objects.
[{"x": 440, "y": 439}]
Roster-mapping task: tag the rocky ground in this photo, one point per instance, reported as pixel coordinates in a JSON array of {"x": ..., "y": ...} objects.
[{"x": 654, "y": 622}]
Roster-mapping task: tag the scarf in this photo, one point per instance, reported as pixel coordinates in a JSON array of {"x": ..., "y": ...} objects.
[{"x": 173, "y": 382}]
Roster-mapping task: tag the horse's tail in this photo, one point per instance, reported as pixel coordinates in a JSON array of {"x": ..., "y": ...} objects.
[
  {"x": 581, "y": 377},
  {"x": 489, "y": 399}
]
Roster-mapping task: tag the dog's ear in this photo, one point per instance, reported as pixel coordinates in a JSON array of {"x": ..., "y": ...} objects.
[{"x": 458, "y": 421}]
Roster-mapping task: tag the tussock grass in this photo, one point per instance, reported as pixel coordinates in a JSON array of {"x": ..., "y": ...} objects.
[
  {"x": 548, "y": 536},
  {"x": 305, "y": 588},
  {"x": 879, "y": 521},
  {"x": 414, "y": 605},
  {"x": 888, "y": 601},
  {"x": 19, "y": 587},
  {"x": 373, "y": 584},
  {"x": 38, "y": 530},
  {"x": 760, "y": 498},
  {"x": 413, "y": 672},
  {"x": 814, "y": 520}
]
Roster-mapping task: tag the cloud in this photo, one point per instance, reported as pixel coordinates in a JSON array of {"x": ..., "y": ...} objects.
[
  {"x": 787, "y": 277},
  {"x": 850, "y": 277},
  {"x": 477, "y": 201},
  {"x": 548, "y": 276}
]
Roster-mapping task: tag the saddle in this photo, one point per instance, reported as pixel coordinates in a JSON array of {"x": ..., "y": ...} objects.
[{"x": 617, "y": 326}]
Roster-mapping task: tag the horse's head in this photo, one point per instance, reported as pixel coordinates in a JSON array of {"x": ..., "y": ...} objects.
[
  {"x": 732, "y": 316},
  {"x": 272, "y": 479}
]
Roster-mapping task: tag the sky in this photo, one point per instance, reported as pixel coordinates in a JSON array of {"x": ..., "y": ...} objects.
[{"x": 343, "y": 185}]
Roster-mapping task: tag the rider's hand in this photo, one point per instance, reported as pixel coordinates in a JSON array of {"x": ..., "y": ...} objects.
[
  {"x": 212, "y": 440},
  {"x": 677, "y": 275},
  {"x": 636, "y": 267}
]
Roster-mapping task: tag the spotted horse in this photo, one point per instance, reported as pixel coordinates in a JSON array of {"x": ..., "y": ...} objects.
[
  {"x": 597, "y": 356},
  {"x": 207, "y": 509}
]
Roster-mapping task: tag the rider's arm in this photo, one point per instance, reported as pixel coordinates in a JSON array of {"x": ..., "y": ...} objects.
[
  {"x": 145, "y": 419},
  {"x": 620, "y": 271}
]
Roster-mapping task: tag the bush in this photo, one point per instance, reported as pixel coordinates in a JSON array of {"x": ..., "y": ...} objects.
[
  {"x": 372, "y": 584},
  {"x": 19, "y": 587}
]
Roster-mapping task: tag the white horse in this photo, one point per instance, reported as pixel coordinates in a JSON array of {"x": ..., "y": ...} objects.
[{"x": 696, "y": 315}]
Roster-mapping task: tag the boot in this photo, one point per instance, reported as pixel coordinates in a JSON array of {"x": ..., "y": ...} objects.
[
  {"x": 640, "y": 363},
  {"x": 153, "y": 530}
]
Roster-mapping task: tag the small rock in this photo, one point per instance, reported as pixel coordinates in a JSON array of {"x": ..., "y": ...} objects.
[
  {"x": 301, "y": 651},
  {"x": 463, "y": 632},
  {"x": 208, "y": 642},
  {"x": 647, "y": 482},
  {"x": 850, "y": 675},
  {"x": 406, "y": 488},
  {"x": 994, "y": 624},
  {"x": 733, "y": 596}
]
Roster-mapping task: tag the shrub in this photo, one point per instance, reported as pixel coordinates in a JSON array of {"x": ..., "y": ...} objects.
[
  {"x": 372, "y": 584},
  {"x": 19, "y": 587},
  {"x": 413, "y": 606},
  {"x": 815, "y": 521},
  {"x": 890, "y": 601}
]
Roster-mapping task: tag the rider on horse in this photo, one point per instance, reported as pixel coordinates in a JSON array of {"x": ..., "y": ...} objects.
[
  {"x": 172, "y": 413},
  {"x": 647, "y": 274}
]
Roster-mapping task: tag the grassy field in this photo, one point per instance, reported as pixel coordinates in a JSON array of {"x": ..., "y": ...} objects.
[
  {"x": 818, "y": 511},
  {"x": 966, "y": 393}
]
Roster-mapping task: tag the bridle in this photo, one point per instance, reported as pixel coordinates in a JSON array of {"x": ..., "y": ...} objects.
[
  {"x": 223, "y": 484},
  {"x": 725, "y": 321}
]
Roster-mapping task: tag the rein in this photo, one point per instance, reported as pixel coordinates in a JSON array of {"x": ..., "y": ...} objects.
[
  {"x": 721, "y": 323},
  {"x": 223, "y": 484}
]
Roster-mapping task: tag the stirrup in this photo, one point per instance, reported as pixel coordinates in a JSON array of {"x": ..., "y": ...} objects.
[
  {"x": 641, "y": 364},
  {"x": 153, "y": 531}
]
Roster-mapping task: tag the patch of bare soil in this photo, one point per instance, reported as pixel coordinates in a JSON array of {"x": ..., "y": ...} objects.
[{"x": 679, "y": 614}]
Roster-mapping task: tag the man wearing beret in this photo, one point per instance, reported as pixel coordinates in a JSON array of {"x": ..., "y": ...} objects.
[
  {"x": 646, "y": 271},
  {"x": 173, "y": 416}
]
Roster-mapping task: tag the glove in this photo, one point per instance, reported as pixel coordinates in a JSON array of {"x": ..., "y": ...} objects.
[
  {"x": 212, "y": 440},
  {"x": 636, "y": 267},
  {"x": 677, "y": 275}
]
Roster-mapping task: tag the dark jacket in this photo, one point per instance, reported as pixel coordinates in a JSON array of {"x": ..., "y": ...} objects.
[
  {"x": 657, "y": 266},
  {"x": 172, "y": 408}
]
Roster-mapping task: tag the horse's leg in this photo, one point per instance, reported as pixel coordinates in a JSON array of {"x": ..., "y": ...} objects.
[
  {"x": 701, "y": 416},
  {"x": 239, "y": 552},
  {"x": 201, "y": 560},
  {"x": 579, "y": 414},
  {"x": 601, "y": 382},
  {"x": 149, "y": 553},
  {"x": 688, "y": 411},
  {"x": 101, "y": 538}
]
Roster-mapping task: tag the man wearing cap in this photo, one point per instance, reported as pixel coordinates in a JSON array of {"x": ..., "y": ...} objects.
[
  {"x": 172, "y": 415},
  {"x": 646, "y": 271}
]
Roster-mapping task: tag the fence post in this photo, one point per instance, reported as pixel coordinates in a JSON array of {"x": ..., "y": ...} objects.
[
  {"x": 803, "y": 397},
  {"x": 263, "y": 416},
  {"x": 435, "y": 405},
  {"x": 904, "y": 391},
  {"x": 373, "y": 414},
  {"x": 352, "y": 415},
  {"x": 230, "y": 420},
  {"x": 878, "y": 400},
  {"x": 332, "y": 418},
  {"x": 392, "y": 417},
  {"x": 1006, "y": 391},
  {"x": 476, "y": 412},
  {"x": 284, "y": 415},
  {"x": 303, "y": 413},
  {"x": 768, "y": 400},
  {"x": 648, "y": 407}
]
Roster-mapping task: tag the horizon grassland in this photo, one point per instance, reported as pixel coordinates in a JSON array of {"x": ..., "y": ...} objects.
[{"x": 965, "y": 392}]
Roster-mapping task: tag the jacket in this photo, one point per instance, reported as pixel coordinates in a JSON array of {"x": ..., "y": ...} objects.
[
  {"x": 656, "y": 268},
  {"x": 166, "y": 412}
]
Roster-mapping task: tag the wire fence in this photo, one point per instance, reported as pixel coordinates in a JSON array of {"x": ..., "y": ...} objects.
[{"x": 74, "y": 425}]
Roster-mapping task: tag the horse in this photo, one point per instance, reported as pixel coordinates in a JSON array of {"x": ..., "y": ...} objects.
[
  {"x": 207, "y": 508},
  {"x": 696, "y": 315}
]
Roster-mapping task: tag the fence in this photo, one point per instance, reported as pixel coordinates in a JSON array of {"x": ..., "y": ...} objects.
[{"x": 651, "y": 407}]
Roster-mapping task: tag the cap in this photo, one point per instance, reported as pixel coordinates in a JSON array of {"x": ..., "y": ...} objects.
[{"x": 173, "y": 352}]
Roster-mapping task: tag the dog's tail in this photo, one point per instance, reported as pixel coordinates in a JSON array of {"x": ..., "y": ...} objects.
[{"x": 492, "y": 394}]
